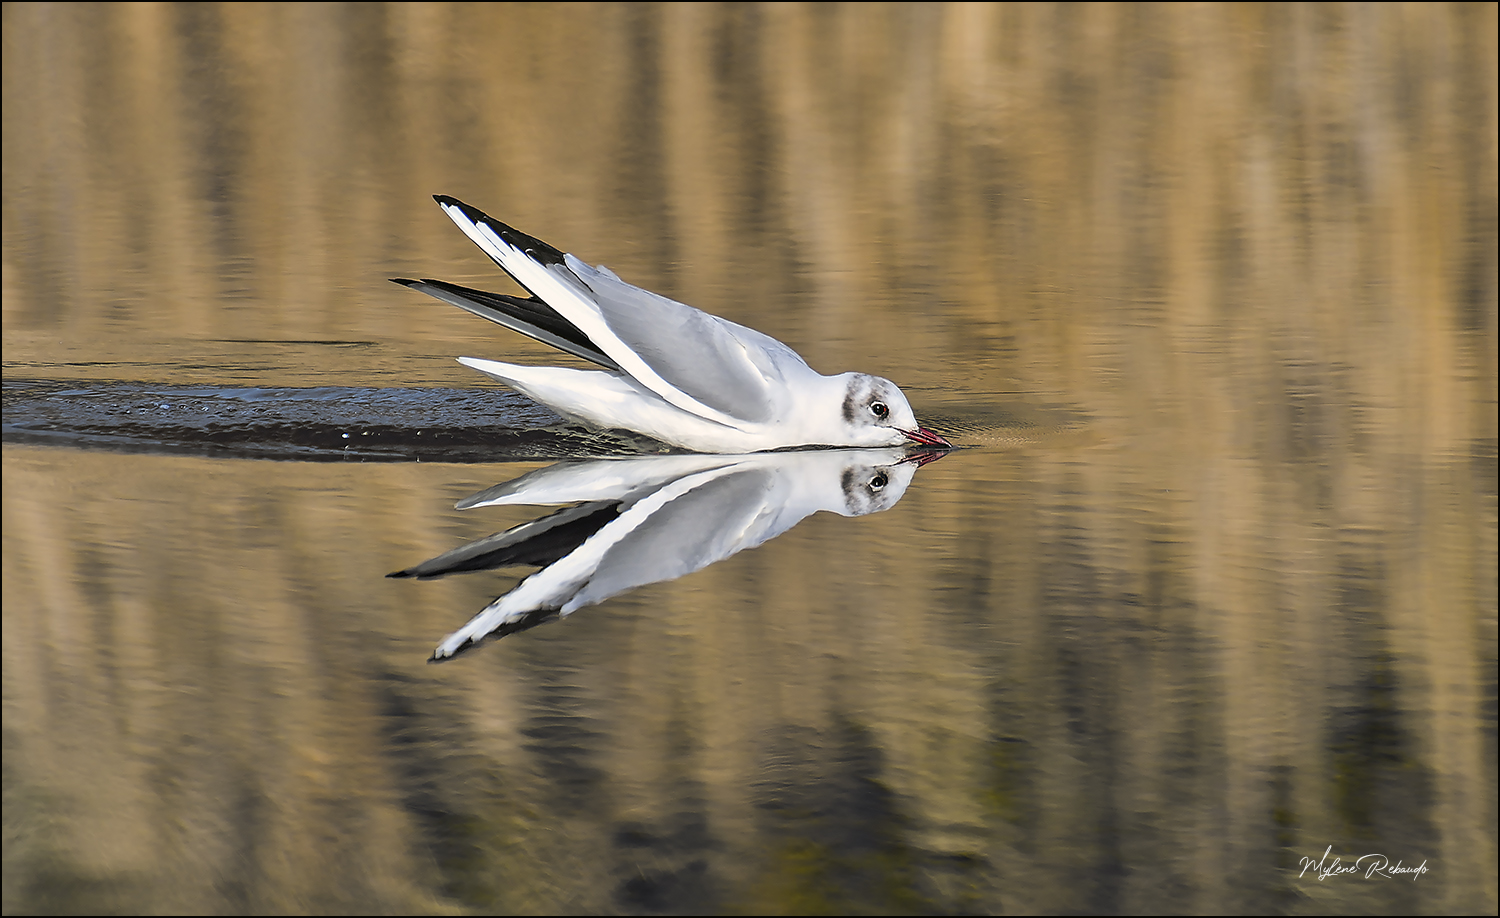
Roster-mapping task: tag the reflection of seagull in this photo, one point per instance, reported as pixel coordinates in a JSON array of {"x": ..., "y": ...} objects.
[
  {"x": 639, "y": 521},
  {"x": 671, "y": 372}
]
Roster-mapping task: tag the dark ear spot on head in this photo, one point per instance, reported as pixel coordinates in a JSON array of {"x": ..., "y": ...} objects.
[{"x": 851, "y": 404}]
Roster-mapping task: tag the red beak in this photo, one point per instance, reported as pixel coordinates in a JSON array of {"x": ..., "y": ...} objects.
[{"x": 927, "y": 438}]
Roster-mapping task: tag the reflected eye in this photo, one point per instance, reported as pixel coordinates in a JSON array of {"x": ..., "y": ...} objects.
[
  {"x": 879, "y": 409},
  {"x": 879, "y": 482}
]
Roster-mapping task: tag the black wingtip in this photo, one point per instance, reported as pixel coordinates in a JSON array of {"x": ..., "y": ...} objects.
[
  {"x": 532, "y": 246},
  {"x": 404, "y": 281},
  {"x": 470, "y": 211},
  {"x": 400, "y": 574}
]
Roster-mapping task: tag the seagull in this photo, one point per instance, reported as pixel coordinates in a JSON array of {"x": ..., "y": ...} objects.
[{"x": 670, "y": 371}]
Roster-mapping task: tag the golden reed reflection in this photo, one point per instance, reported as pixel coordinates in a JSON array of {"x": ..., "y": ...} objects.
[{"x": 1247, "y": 613}]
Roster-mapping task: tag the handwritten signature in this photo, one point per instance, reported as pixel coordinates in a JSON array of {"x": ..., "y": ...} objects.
[{"x": 1371, "y": 865}]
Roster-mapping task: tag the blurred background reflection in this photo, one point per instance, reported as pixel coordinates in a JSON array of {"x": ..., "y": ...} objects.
[{"x": 1208, "y": 290}]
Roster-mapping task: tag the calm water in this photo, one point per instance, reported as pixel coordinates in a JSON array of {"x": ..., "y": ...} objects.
[{"x": 1206, "y": 293}]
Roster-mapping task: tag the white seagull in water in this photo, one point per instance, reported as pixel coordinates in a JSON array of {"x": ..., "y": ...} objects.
[{"x": 671, "y": 372}]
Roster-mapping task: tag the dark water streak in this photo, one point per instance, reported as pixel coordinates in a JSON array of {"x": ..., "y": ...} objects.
[{"x": 323, "y": 424}]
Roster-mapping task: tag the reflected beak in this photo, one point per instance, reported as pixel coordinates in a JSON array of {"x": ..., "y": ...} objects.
[
  {"x": 927, "y": 438},
  {"x": 923, "y": 456}
]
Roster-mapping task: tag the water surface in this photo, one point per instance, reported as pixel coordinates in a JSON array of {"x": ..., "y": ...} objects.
[{"x": 1206, "y": 293}]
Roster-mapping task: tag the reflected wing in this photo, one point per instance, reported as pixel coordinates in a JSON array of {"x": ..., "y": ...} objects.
[
  {"x": 702, "y": 364},
  {"x": 664, "y": 535},
  {"x": 719, "y": 517},
  {"x": 592, "y": 479},
  {"x": 535, "y": 543}
]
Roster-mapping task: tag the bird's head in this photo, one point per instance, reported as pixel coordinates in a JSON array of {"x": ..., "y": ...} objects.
[{"x": 875, "y": 412}]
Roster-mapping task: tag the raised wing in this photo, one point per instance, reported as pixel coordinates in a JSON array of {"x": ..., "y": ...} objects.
[
  {"x": 701, "y": 363},
  {"x": 530, "y": 317}
]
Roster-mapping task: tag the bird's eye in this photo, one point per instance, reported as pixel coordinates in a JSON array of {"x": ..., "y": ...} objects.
[
  {"x": 879, "y": 409},
  {"x": 879, "y": 482}
]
